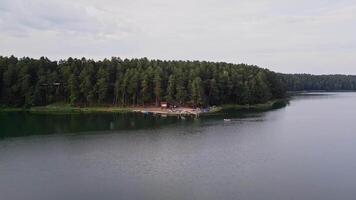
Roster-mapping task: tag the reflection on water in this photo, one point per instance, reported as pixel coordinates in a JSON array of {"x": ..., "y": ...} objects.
[
  {"x": 22, "y": 123},
  {"x": 306, "y": 150},
  {"x": 15, "y": 124}
]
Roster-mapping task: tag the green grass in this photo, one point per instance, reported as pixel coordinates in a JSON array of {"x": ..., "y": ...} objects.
[
  {"x": 66, "y": 108},
  {"x": 10, "y": 109},
  {"x": 273, "y": 104},
  {"x": 62, "y": 108}
]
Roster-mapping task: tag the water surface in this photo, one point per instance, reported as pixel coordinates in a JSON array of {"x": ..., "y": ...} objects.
[{"x": 306, "y": 150}]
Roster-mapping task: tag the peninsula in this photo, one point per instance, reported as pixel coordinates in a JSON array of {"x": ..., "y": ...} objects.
[{"x": 148, "y": 86}]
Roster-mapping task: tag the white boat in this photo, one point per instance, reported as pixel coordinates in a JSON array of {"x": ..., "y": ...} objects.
[{"x": 227, "y": 120}]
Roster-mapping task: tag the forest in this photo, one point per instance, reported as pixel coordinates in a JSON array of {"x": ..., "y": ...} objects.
[
  {"x": 308, "y": 82},
  {"x": 27, "y": 82}
]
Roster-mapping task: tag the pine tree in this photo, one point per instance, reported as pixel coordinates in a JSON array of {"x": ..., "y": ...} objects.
[
  {"x": 74, "y": 89},
  {"x": 87, "y": 77},
  {"x": 171, "y": 88},
  {"x": 144, "y": 93},
  {"x": 213, "y": 92},
  {"x": 197, "y": 92},
  {"x": 133, "y": 86},
  {"x": 181, "y": 89},
  {"x": 157, "y": 87},
  {"x": 102, "y": 84}
]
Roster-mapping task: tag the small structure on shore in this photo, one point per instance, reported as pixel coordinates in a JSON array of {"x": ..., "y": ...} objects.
[{"x": 164, "y": 104}]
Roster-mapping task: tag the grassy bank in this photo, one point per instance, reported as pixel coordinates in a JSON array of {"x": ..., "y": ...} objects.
[
  {"x": 66, "y": 108},
  {"x": 270, "y": 105},
  {"x": 62, "y": 109}
]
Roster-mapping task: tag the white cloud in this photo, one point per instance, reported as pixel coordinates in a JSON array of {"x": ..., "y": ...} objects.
[
  {"x": 302, "y": 36},
  {"x": 20, "y": 17}
]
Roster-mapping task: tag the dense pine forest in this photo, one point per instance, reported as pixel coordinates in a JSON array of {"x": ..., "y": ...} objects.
[
  {"x": 307, "y": 82},
  {"x": 26, "y": 82}
]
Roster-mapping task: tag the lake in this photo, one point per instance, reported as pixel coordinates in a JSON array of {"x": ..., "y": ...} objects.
[{"x": 306, "y": 150}]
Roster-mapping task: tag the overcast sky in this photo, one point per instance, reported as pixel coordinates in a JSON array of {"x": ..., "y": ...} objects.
[{"x": 312, "y": 36}]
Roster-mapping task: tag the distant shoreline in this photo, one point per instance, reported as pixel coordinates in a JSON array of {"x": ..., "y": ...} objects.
[{"x": 310, "y": 91}]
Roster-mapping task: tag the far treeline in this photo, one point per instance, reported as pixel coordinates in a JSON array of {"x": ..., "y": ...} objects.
[
  {"x": 26, "y": 82},
  {"x": 308, "y": 82}
]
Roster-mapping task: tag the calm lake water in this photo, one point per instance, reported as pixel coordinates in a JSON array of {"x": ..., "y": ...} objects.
[{"x": 306, "y": 150}]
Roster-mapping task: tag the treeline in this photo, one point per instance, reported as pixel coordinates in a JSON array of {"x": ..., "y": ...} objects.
[
  {"x": 27, "y": 82},
  {"x": 305, "y": 82}
]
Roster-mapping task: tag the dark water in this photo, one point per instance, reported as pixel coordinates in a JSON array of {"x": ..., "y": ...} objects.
[{"x": 306, "y": 150}]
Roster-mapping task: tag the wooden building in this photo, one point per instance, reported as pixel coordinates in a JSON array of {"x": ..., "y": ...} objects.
[{"x": 164, "y": 104}]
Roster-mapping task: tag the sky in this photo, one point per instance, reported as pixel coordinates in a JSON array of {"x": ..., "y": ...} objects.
[{"x": 304, "y": 36}]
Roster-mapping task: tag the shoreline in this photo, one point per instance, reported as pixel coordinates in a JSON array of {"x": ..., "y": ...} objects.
[
  {"x": 64, "y": 109},
  {"x": 179, "y": 111}
]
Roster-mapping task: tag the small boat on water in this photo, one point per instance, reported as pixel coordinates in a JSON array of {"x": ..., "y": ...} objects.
[{"x": 227, "y": 120}]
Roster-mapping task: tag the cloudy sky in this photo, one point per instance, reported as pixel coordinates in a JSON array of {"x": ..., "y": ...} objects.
[{"x": 312, "y": 36}]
